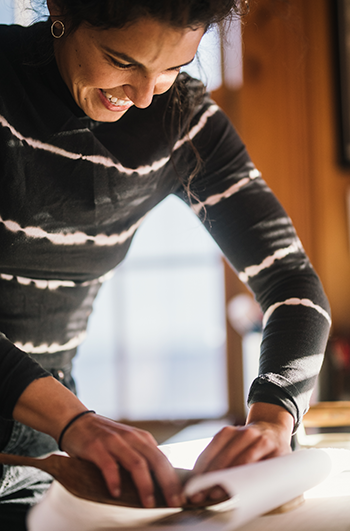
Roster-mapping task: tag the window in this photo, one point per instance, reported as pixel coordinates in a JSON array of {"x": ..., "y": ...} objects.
[{"x": 156, "y": 340}]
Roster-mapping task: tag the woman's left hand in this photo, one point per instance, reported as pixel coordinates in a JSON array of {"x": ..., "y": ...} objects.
[{"x": 267, "y": 434}]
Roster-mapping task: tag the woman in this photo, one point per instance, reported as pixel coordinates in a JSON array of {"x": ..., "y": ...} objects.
[{"x": 96, "y": 128}]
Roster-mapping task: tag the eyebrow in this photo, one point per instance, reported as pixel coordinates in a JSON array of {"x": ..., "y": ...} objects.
[{"x": 128, "y": 59}]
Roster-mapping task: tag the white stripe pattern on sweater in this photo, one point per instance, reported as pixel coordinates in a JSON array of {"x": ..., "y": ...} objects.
[
  {"x": 253, "y": 270},
  {"x": 233, "y": 189},
  {"x": 106, "y": 161},
  {"x": 55, "y": 284},
  {"x": 74, "y": 238},
  {"x": 294, "y": 301},
  {"x": 45, "y": 348}
]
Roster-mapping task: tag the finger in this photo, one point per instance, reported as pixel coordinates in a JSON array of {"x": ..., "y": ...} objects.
[
  {"x": 168, "y": 481},
  {"x": 250, "y": 445},
  {"x": 238, "y": 446},
  {"x": 110, "y": 471},
  {"x": 216, "y": 493},
  {"x": 263, "y": 448},
  {"x": 114, "y": 450},
  {"x": 108, "y": 448},
  {"x": 137, "y": 465},
  {"x": 215, "y": 448},
  {"x": 240, "y": 449},
  {"x": 149, "y": 457},
  {"x": 137, "y": 451},
  {"x": 164, "y": 472}
]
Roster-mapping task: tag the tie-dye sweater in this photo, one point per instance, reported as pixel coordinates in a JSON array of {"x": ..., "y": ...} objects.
[{"x": 73, "y": 192}]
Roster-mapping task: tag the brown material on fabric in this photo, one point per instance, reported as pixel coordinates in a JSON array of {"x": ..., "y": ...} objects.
[{"x": 84, "y": 480}]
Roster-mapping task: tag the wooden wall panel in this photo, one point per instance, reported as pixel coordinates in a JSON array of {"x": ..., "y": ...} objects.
[
  {"x": 286, "y": 113},
  {"x": 274, "y": 122},
  {"x": 329, "y": 180},
  {"x": 288, "y": 121}
]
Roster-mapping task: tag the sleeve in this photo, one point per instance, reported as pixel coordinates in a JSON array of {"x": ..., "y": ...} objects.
[
  {"x": 17, "y": 371},
  {"x": 258, "y": 239}
]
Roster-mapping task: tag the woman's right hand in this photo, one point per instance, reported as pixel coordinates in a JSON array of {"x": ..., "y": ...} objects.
[
  {"x": 108, "y": 444},
  {"x": 48, "y": 406}
]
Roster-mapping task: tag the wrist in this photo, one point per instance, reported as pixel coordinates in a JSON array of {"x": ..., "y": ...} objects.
[
  {"x": 69, "y": 424},
  {"x": 273, "y": 415},
  {"x": 47, "y": 406}
]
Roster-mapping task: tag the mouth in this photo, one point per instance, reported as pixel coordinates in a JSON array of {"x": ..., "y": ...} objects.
[{"x": 113, "y": 103}]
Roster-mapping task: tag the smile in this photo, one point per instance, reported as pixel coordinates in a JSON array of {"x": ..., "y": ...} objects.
[
  {"x": 112, "y": 103},
  {"x": 116, "y": 101}
]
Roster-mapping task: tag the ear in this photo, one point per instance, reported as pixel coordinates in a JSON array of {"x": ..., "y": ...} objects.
[{"x": 53, "y": 8}]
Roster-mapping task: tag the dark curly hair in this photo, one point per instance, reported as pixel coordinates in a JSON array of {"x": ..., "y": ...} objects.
[{"x": 177, "y": 13}]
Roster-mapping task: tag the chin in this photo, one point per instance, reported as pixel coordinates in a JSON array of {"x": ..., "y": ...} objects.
[
  {"x": 94, "y": 110},
  {"x": 103, "y": 115}
]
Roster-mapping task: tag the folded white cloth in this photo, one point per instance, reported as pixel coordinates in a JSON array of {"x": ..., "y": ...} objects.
[
  {"x": 255, "y": 489},
  {"x": 61, "y": 511}
]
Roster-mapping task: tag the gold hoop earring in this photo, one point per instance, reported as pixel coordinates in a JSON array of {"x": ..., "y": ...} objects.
[{"x": 61, "y": 27}]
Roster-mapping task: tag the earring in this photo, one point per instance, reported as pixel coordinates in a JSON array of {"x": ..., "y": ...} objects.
[{"x": 61, "y": 27}]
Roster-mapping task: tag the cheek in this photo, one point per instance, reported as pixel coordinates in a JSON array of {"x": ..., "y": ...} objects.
[
  {"x": 98, "y": 77},
  {"x": 164, "y": 83}
]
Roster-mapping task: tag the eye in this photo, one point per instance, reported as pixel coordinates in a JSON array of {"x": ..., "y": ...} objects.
[{"x": 118, "y": 64}]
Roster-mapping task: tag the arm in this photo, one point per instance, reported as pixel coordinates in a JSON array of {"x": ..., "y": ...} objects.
[
  {"x": 48, "y": 406},
  {"x": 267, "y": 433},
  {"x": 30, "y": 395},
  {"x": 258, "y": 238}
]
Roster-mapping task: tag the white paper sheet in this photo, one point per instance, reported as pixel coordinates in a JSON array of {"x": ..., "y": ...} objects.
[{"x": 255, "y": 489}]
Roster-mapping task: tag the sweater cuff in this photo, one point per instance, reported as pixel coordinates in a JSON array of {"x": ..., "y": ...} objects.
[
  {"x": 17, "y": 371},
  {"x": 271, "y": 389}
]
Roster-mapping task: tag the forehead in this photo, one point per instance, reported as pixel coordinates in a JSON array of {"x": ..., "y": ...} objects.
[{"x": 145, "y": 40}]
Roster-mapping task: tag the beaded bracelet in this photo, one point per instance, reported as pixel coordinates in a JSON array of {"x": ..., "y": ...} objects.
[{"x": 68, "y": 425}]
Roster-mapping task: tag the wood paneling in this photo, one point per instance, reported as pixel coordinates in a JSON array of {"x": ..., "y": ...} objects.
[
  {"x": 274, "y": 118},
  {"x": 329, "y": 180},
  {"x": 286, "y": 113},
  {"x": 288, "y": 119}
]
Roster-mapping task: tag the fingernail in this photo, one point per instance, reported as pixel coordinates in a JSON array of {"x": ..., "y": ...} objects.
[
  {"x": 176, "y": 501},
  {"x": 183, "y": 499},
  {"x": 117, "y": 493},
  {"x": 150, "y": 502},
  {"x": 216, "y": 494},
  {"x": 197, "y": 498}
]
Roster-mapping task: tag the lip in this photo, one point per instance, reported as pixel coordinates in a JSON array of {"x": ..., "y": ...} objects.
[{"x": 110, "y": 106}]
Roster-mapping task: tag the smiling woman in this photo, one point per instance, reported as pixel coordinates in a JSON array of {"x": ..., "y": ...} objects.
[
  {"x": 97, "y": 127},
  {"x": 108, "y": 71}
]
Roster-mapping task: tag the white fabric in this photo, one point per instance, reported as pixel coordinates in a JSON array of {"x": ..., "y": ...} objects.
[{"x": 255, "y": 489}]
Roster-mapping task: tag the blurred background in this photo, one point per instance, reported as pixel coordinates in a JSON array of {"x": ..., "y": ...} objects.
[{"x": 172, "y": 340}]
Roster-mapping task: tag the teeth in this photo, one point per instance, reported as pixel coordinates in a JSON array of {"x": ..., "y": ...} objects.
[{"x": 114, "y": 100}]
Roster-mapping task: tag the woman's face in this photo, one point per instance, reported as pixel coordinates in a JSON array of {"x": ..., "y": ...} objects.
[{"x": 108, "y": 71}]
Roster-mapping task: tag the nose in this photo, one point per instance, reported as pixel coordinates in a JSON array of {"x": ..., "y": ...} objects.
[{"x": 141, "y": 90}]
